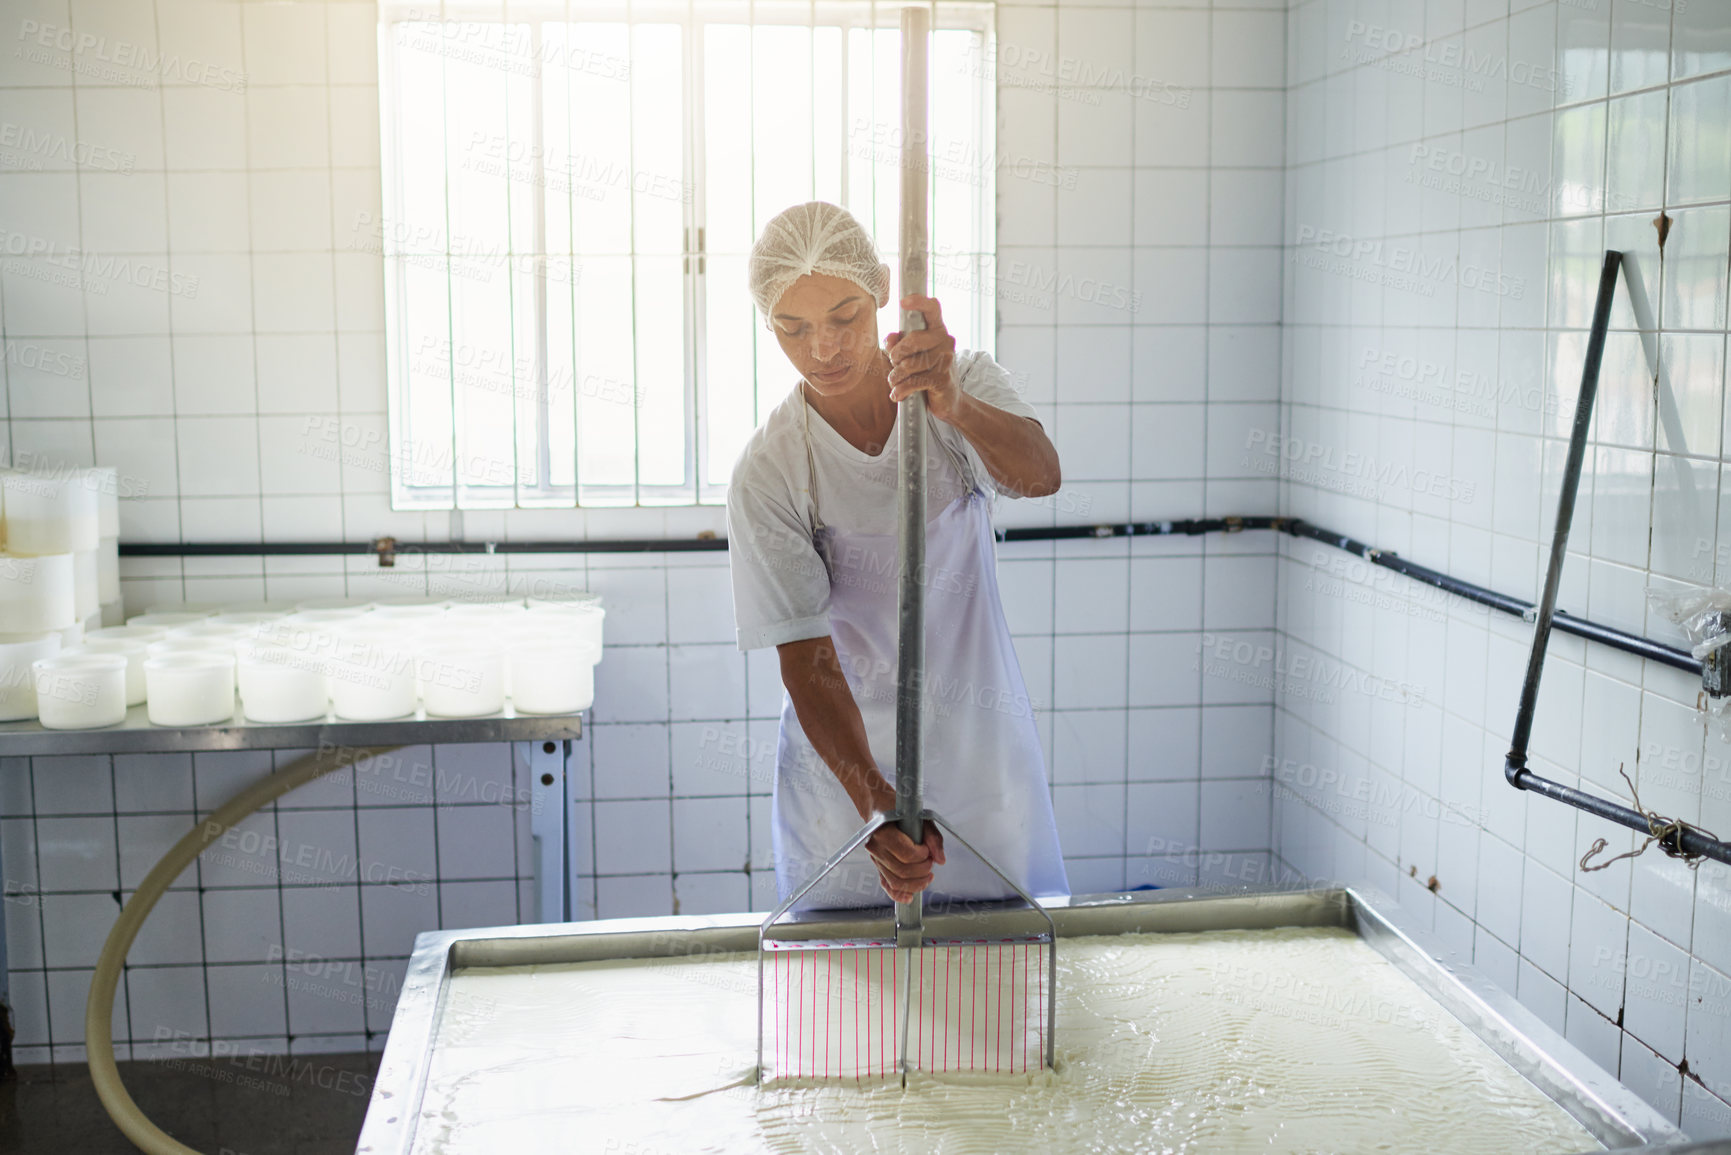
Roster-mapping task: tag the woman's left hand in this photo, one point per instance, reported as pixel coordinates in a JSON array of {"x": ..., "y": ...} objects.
[{"x": 923, "y": 360}]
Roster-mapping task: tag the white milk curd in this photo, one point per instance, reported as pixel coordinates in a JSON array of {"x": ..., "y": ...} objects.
[{"x": 1287, "y": 1040}]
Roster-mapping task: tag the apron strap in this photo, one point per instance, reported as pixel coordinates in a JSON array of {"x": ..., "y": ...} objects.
[
  {"x": 812, "y": 518},
  {"x": 969, "y": 482}
]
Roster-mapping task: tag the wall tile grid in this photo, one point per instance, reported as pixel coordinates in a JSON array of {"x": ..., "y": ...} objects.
[
  {"x": 1455, "y": 172},
  {"x": 1163, "y": 125},
  {"x": 252, "y": 407},
  {"x": 291, "y": 931}
]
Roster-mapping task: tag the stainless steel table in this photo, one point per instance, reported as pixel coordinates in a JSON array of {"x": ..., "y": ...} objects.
[
  {"x": 545, "y": 742},
  {"x": 137, "y": 736}
]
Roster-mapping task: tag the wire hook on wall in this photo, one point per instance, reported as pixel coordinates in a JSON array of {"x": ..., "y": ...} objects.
[{"x": 1667, "y": 832}]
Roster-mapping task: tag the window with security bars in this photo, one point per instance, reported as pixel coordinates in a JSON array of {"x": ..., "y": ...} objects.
[{"x": 570, "y": 195}]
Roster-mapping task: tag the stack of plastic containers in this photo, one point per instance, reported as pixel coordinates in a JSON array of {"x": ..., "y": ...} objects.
[
  {"x": 66, "y": 658},
  {"x": 361, "y": 661},
  {"x": 51, "y": 543}
]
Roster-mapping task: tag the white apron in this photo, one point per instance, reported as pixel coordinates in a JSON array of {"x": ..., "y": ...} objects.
[{"x": 984, "y": 772}]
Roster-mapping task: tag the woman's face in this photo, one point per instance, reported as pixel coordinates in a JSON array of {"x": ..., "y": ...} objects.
[{"x": 828, "y": 327}]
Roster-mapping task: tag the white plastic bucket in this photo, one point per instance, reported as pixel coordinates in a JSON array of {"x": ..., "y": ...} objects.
[
  {"x": 586, "y": 620},
  {"x": 277, "y": 684},
  {"x": 133, "y": 650},
  {"x": 489, "y": 614},
  {"x": 80, "y": 691},
  {"x": 372, "y": 676},
  {"x": 462, "y": 679},
  {"x": 552, "y": 679},
  {"x": 190, "y": 688}
]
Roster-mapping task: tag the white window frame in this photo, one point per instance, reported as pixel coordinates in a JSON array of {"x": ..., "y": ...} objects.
[{"x": 692, "y": 16}]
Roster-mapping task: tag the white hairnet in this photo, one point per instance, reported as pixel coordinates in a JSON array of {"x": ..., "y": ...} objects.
[{"x": 816, "y": 237}]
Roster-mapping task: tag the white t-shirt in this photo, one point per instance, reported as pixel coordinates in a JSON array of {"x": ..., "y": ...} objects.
[{"x": 780, "y": 585}]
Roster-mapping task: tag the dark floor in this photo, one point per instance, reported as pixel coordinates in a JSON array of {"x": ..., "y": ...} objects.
[{"x": 246, "y": 1105}]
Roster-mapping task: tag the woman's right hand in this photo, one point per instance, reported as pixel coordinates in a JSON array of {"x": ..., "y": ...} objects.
[{"x": 904, "y": 866}]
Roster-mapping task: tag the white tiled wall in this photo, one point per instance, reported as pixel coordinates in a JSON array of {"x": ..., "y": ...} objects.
[
  {"x": 290, "y": 932},
  {"x": 1153, "y": 201},
  {"x": 229, "y": 359},
  {"x": 1455, "y": 171}
]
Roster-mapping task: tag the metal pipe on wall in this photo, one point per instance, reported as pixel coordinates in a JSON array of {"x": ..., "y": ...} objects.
[
  {"x": 1674, "y": 837},
  {"x": 1565, "y": 507},
  {"x": 1190, "y": 526}
]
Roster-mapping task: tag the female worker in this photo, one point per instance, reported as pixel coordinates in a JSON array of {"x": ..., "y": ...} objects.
[{"x": 812, "y": 532}]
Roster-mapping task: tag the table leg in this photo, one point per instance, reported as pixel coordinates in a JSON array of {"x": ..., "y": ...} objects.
[{"x": 548, "y": 815}]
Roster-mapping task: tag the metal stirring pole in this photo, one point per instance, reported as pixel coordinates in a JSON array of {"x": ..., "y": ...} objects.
[
  {"x": 910, "y": 814},
  {"x": 911, "y": 492}
]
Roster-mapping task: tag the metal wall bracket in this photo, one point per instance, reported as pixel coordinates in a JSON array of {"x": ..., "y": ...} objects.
[{"x": 1686, "y": 840}]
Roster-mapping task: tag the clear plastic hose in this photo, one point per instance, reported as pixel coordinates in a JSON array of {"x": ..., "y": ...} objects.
[{"x": 99, "y": 1010}]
